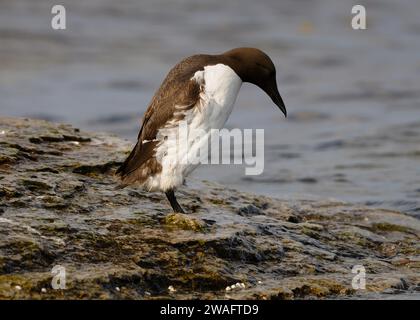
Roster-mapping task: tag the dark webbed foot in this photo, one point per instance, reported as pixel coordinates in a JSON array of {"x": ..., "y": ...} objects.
[{"x": 170, "y": 194}]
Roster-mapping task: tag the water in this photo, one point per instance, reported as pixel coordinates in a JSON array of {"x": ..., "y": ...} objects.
[{"x": 353, "y": 98}]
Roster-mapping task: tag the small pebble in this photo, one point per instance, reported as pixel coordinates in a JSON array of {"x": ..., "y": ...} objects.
[
  {"x": 75, "y": 142},
  {"x": 147, "y": 293},
  {"x": 171, "y": 289},
  {"x": 43, "y": 290},
  {"x": 2, "y": 132},
  {"x": 259, "y": 282},
  {"x": 118, "y": 289},
  {"x": 237, "y": 285},
  {"x": 18, "y": 288}
]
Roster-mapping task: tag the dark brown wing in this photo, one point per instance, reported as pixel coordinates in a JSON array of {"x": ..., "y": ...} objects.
[{"x": 177, "y": 90}]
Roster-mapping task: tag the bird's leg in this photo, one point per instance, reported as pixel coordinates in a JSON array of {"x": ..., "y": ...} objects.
[{"x": 172, "y": 199}]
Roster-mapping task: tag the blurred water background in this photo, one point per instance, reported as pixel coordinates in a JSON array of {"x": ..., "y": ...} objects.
[{"x": 353, "y": 131}]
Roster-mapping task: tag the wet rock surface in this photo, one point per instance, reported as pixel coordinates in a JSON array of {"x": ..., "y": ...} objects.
[{"x": 59, "y": 206}]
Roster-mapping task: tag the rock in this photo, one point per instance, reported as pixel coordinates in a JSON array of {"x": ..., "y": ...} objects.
[
  {"x": 59, "y": 207},
  {"x": 184, "y": 221}
]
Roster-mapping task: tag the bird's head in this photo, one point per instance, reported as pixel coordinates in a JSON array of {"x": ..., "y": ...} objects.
[{"x": 254, "y": 66}]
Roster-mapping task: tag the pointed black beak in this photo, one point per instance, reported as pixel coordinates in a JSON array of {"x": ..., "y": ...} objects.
[
  {"x": 279, "y": 102},
  {"x": 274, "y": 94}
]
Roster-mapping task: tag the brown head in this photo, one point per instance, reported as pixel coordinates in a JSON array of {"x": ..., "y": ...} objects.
[{"x": 254, "y": 66}]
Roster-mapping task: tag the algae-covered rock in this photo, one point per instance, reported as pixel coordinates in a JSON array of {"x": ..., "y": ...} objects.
[
  {"x": 184, "y": 221},
  {"x": 59, "y": 208}
]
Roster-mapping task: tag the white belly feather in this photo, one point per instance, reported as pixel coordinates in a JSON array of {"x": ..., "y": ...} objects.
[{"x": 221, "y": 87}]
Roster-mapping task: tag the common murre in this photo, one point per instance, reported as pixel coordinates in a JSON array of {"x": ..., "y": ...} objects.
[{"x": 200, "y": 90}]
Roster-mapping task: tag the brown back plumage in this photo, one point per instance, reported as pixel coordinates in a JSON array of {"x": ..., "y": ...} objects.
[{"x": 177, "y": 91}]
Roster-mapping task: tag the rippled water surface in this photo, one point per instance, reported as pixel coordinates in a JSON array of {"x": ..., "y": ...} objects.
[{"x": 353, "y": 131}]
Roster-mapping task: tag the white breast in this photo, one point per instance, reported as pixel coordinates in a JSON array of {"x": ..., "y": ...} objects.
[{"x": 220, "y": 88}]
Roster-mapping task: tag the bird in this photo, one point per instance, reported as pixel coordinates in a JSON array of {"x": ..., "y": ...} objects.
[{"x": 201, "y": 91}]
